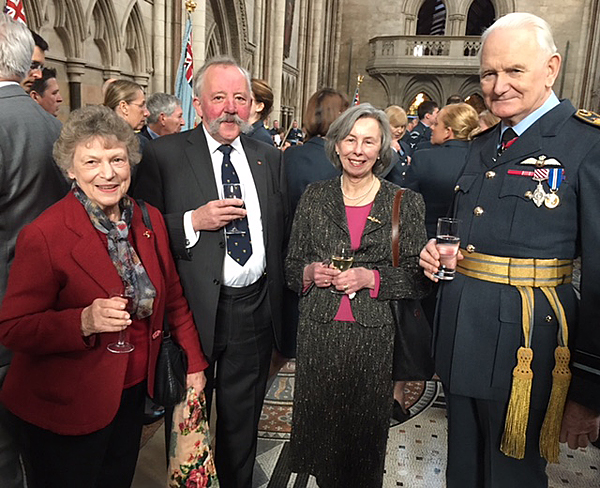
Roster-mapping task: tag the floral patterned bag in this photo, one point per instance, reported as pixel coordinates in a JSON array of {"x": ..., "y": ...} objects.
[{"x": 191, "y": 461}]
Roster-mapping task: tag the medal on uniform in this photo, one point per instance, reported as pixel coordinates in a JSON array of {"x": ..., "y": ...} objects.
[
  {"x": 555, "y": 178},
  {"x": 539, "y": 195}
]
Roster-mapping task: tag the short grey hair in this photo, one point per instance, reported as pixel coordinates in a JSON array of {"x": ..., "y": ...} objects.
[
  {"x": 16, "y": 49},
  {"x": 88, "y": 123},
  {"x": 218, "y": 61},
  {"x": 523, "y": 20},
  {"x": 342, "y": 126},
  {"x": 159, "y": 103}
]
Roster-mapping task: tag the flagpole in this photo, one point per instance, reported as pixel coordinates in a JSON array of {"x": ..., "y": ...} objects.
[
  {"x": 185, "y": 73},
  {"x": 359, "y": 80}
]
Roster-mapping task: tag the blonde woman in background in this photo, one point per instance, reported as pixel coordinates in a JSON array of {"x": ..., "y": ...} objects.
[{"x": 128, "y": 100}]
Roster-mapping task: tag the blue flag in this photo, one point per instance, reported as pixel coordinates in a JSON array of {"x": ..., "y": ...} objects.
[{"x": 185, "y": 75}]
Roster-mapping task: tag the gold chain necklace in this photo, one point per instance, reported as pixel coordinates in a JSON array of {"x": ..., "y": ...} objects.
[{"x": 360, "y": 196}]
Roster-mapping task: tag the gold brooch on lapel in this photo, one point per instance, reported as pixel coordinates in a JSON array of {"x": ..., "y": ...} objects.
[{"x": 373, "y": 219}]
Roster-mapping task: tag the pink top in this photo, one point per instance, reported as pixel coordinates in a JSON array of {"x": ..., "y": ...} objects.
[{"x": 357, "y": 219}]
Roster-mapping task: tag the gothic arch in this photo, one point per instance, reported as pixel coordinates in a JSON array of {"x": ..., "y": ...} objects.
[
  {"x": 35, "y": 12},
  {"x": 212, "y": 44},
  {"x": 105, "y": 31},
  {"x": 424, "y": 83},
  {"x": 231, "y": 26},
  {"x": 69, "y": 24},
  {"x": 136, "y": 44}
]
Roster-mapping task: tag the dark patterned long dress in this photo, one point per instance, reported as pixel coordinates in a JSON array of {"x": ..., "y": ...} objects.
[{"x": 343, "y": 389}]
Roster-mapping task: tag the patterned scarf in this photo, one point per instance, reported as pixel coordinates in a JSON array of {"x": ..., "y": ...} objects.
[{"x": 138, "y": 287}]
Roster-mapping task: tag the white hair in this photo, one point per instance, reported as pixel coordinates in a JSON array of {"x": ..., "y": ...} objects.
[
  {"x": 16, "y": 49},
  {"x": 218, "y": 61},
  {"x": 158, "y": 103},
  {"x": 523, "y": 20}
]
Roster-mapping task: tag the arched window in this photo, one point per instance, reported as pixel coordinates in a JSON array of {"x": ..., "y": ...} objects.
[
  {"x": 432, "y": 18},
  {"x": 481, "y": 16}
]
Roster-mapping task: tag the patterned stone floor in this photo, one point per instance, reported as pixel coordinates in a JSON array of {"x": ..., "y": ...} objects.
[{"x": 416, "y": 449}]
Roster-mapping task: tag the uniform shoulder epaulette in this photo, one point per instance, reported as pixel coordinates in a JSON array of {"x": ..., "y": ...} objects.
[{"x": 591, "y": 118}]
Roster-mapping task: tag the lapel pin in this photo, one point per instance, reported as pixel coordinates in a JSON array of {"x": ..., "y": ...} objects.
[
  {"x": 147, "y": 234},
  {"x": 373, "y": 219},
  {"x": 259, "y": 162}
]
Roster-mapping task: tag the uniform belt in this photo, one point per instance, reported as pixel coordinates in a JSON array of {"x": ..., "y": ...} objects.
[
  {"x": 525, "y": 274},
  {"x": 532, "y": 272}
]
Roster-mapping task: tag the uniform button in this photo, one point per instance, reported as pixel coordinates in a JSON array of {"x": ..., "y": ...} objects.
[
  {"x": 457, "y": 187},
  {"x": 478, "y": 211},
  {"x": 216, "y": 282},
  {"x": 490, "y": 175},
  {"x": 548, "y": 318},
  {"x": 470, "y": 248}
]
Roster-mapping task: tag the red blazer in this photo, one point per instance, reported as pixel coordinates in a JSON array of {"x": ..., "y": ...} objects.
[{"x": 57, "y": 380}]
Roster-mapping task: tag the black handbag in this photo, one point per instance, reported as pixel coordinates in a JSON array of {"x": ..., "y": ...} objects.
[
  {"x": 171, "y": 364},
  {"x": 412, "y": 341}
]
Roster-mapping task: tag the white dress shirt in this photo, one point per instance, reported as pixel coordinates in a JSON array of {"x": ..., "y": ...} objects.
[{"x": 235, "y": 275}]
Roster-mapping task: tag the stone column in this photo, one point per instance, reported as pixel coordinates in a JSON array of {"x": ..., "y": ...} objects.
[
  {"x": 75, "y": 70},
  {"x": 316, "y": 29},
  {"x": 199, "y": 34},
  {"x": 276, "y": 69},
  {"x": 158, "y": 46},
  {"x": 259, "y": 21}
]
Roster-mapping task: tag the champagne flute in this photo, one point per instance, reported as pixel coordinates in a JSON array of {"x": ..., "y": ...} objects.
[
  {"x": 123, "y": 346},
  {"x": 233, "y": 190},
  {"x": 342, "y": 259}
]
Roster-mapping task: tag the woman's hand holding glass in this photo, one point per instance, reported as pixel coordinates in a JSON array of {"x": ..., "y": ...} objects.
[
  {"x": 105, "y": 315},
  {"x": 321, "y": 274},
  {"x": 353, "y": 280}
]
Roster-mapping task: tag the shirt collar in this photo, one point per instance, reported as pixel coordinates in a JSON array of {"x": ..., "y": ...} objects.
[
  {"x": 7, "y": 83},
  {"x": 213, "y": 144},
  {"x": 551, "y": 102},
  {"x": 153, "y": 134}
]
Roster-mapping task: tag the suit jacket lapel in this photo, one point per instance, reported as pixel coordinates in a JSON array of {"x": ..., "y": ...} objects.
[
  {"x": 259, "y": 170},
  {"x": 334, "y": 207},
  {"x": 89, "y": 252},
  {"x": 200, "y": 161}
]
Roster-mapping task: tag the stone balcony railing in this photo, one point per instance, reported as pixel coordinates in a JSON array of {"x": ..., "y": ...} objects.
[{"x": 424, "y": 54}]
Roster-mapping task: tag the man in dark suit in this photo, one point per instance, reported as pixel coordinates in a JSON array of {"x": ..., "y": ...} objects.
[
  {"x": 233, "y": 282},
  {"x": 421, "y": 134},
  {"x": 166, "y": 116},
  {"x": 528, "y": 202},
  {"x": 30, "y": 182}
]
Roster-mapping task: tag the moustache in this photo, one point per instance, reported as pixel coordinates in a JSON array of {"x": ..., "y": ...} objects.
[{"x": 236, "y": 119}]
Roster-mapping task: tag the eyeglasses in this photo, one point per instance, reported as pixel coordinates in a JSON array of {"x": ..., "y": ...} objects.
[
  {"x": 140, "y": 105},
  {"x": 35, "y": 65}
]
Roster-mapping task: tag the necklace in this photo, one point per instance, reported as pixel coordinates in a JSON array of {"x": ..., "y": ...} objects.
[{"x": 360, "y": 196}]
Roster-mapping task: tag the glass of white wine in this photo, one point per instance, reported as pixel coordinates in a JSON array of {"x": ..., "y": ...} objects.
[{"x": 342, "y": 259}]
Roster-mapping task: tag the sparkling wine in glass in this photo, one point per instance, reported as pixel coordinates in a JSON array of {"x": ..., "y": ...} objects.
[
  {"x": 122, "y": 346},
  {"x": 342, "y": 259},
  {"x": 233, "y": 190},
  {"x": 447, "y": 242}
]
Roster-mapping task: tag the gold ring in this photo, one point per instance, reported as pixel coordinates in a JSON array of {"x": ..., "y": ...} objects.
[{"x": 346, "y": 287}]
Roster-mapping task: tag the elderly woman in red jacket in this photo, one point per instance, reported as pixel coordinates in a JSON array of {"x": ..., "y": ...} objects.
[{"x": 78, "y": 406}]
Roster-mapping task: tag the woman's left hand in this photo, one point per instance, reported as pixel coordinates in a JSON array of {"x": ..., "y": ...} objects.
[
  {"x": 353, "y": 280},
  {"x": 197, "y": 380}
]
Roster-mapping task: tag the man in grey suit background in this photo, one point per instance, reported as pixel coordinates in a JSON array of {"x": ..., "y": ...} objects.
[
  {"x": 30, "y": 182},
  {"x": 233, "y": 282}
]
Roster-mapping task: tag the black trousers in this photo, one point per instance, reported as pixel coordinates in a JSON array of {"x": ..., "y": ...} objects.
[
  {"x": 11, "y": 473},
  {"x": 475, "y": 430},
  {"x": 241, "y": 358},
  {"x": 103, "y": 459}
]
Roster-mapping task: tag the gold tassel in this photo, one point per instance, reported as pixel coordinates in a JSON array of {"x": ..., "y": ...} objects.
[
  {"x": 561, "y": 378},
  {"x": 517, "y": 417}
]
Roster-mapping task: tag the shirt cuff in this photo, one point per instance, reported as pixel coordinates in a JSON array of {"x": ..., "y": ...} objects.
[
  {"x": 375, "y": 291},
  {"x": 191, "y": 236}
]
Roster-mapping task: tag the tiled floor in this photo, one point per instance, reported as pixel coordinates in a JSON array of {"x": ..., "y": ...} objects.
[{"x": 416, "y": 450}]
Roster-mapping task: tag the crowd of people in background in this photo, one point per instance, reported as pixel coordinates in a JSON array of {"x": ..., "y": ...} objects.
[{"x": 247, "y": 282}]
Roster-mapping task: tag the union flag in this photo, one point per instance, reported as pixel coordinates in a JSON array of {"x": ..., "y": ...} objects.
[{"x": 15, "y": 10}]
